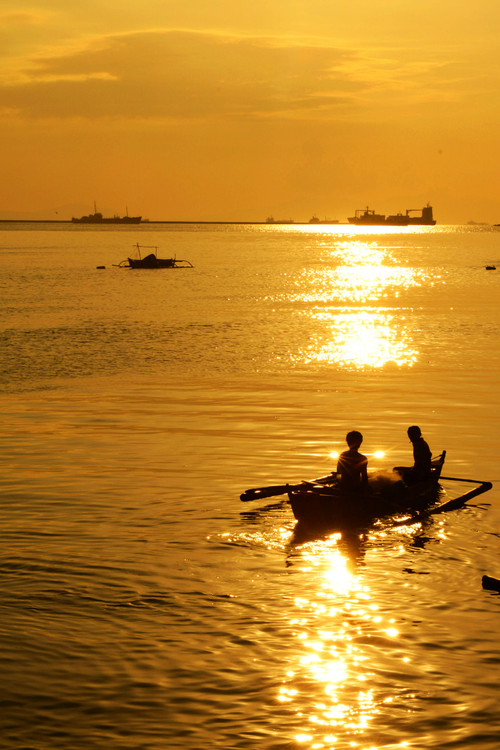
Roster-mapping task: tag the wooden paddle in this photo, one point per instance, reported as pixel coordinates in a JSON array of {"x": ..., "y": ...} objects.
[{"x": 280, "y": 489}]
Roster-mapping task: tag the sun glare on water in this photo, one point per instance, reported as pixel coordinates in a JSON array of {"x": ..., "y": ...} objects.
[
  {"x": 361, "y": 338},
  {"x": 352, "y": 303},
  {"x": 329, "y": 681}
]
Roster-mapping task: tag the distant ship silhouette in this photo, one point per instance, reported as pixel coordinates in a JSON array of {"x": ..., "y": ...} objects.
[
  {"x": 98, "y": 218},
  {"x": 367, "y": 216}
]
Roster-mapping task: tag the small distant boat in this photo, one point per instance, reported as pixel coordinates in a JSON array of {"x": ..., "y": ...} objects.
[
  {"x": 98, "y": 218},
  {"x": 151, "y": 260},
  {"x": 315, "y": 220}
]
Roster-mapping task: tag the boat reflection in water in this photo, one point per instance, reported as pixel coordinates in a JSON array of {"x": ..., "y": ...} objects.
[
  {"x": 346, "y": 650},
  {"x": 333, "y": 664},
  {"x": 350, "y": 647},
  {"x": 337, "y": 680}
]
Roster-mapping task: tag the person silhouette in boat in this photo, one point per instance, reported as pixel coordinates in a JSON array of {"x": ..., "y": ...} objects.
[
  {"x": 422, "y": 458},
  {"x": 352, "y": 466}
]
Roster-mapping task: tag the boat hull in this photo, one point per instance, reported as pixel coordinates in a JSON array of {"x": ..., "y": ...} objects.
[
  {"x": 152, "y": 262},
  {"x": 335, "y": 509},
  {"x": 327, "y": 506}
]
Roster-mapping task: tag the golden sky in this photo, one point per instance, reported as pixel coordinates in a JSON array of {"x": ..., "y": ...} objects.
[{"x": 224, "y": 110}]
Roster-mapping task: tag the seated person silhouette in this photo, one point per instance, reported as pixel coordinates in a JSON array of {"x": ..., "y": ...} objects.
[
  {"x": 421, "y": 468},
  {"x": 352, "y": 466}
]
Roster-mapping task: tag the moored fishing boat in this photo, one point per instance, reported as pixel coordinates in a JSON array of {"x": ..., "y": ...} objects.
[
  {"x": 151, "y": 260},
  {"x": 324, "y": 503}
]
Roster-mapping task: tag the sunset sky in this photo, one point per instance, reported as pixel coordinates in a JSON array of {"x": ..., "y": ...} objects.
[{"x": 224, "y": 110}]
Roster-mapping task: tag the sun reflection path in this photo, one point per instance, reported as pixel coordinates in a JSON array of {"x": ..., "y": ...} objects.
[
  {"x": 352, "y": 300},
  {"x": 361, "y": 338},
  {"x": 357, "y": 271},
  {"x": 332, "y": 687},
  {"x": 359, "y": 284}
]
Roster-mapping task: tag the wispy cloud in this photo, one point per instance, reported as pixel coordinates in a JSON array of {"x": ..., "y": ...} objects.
[
  {"x": 10, "y": 19},
  {"x": 187, "y": 74},
  {"x": 183, "y": 74}
]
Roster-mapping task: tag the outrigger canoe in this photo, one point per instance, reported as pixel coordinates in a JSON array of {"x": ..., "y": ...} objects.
[
  {"x": 325, "y": 504},
  {"x": 321, "y": 503},
  {"x": 152, "y": 261}
]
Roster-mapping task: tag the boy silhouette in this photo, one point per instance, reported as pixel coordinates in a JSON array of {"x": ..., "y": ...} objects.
[{"x": 352, "y": 466}]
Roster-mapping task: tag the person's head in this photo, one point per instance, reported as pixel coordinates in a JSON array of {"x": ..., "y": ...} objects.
[
  {"x": 354, "y": 439},
  {"x": 414, "y": 433}
]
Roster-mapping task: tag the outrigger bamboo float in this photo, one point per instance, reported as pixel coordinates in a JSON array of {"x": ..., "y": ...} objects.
[
  {"x": 321, "y": 502},
  {"x": 151, "y": 260}
]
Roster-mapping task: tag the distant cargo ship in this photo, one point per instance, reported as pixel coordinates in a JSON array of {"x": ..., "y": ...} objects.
[
  {"x": 365, "y": 216},
  {"x": 272, "y": 220},
  {"x": 316, "y": 220},
  {"x": 98, "y": 218}
]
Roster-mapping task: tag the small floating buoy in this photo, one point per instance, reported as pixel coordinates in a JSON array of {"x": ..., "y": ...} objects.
[
  {"x": 100, "y": 266},
  {"x": 491, "y": 268},
  {"x": 492, "y": 584}
]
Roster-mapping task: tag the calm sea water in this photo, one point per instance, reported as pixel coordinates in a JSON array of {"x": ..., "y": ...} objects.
[{"x": 143, "y": 606}]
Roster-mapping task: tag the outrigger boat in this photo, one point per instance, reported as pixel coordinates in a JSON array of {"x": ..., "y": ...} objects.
[
  {"x": 321, "y": 502},
  {"x": 151, "y": 260}
]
